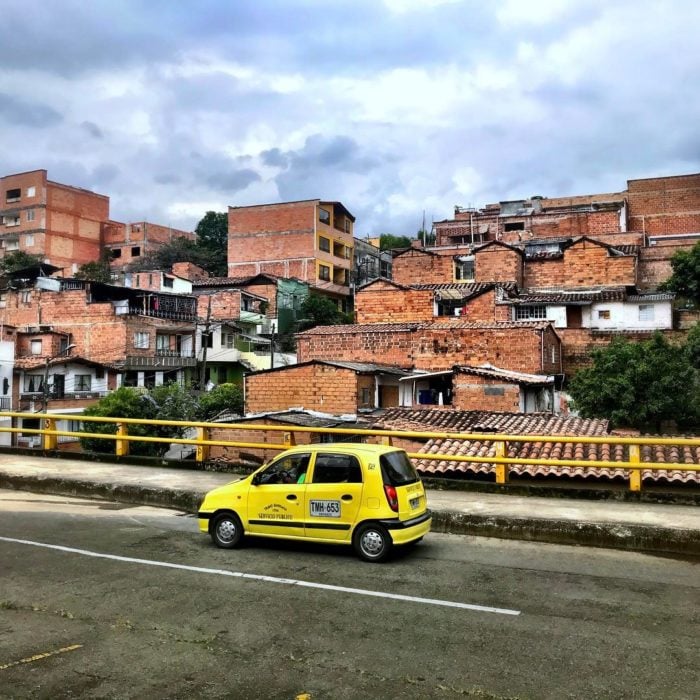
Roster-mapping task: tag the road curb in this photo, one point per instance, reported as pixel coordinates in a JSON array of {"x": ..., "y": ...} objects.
[{"x": 640, "y": 538}]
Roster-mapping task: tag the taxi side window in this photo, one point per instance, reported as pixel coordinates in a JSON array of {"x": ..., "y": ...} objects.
[
  {"x": 337, "y": 469},
  {"x": 288, "y": 470}
]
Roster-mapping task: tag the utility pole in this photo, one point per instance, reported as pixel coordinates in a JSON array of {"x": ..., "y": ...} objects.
[
  {"x": 272, "y": 349},
  {"x": 205, "y": 345}
]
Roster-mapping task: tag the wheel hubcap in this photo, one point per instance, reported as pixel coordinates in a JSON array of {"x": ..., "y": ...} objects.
[
  {"x": 226, "y": 531},
  {"x": 372, "y": 542}
]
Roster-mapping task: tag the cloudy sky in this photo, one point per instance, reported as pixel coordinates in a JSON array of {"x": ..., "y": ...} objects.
[{"x": 394, "y": 107}]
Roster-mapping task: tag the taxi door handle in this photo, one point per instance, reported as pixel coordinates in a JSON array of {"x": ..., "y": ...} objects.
[
  {"x": 346, "y": 497},
  {"x": 291, "y": 497}
]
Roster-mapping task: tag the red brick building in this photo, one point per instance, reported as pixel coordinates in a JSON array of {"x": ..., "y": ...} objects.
[
  {"x": 309, "y": 240},
  {"x": 128, "y": 243}
]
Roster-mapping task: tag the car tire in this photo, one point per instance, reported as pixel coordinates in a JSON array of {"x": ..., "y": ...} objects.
[
  {"x": 226, "y": 530},
  {"x": 372, "y": 542}
]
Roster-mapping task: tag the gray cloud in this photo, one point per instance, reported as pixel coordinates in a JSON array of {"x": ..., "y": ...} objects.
[{"x": 27, "y": 113}]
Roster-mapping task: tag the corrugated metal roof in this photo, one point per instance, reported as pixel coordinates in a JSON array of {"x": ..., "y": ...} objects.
[
  {"x": 507, "y": 375},
  {"x": 365, "y": 367}
]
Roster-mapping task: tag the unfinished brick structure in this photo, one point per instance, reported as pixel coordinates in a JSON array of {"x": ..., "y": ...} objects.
[
  {"x": 128, "y": 243},
  {"x": 383, "y": 299},
  {"x": 62, "y": 224},
  {"x": 421, "y": 266},
  {"x": 309, "y": 240},
  {"x": 524, "y": 347}
]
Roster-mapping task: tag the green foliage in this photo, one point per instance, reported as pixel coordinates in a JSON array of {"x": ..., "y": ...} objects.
[
  {"x": 685, "y": 280},
  {"x": 167, "y": 402},
  {"x": 638, "y": 385},
  {"x": 388, "y": 241},
  {"x": 125, "y": 402},
  {"x": 318, "y": 310},
  {"x": 212, "y": 237},
  {"x": 426, "y": 237},
  {"x": 18, "y": 260},
  {"x": 692, "y": 346},
  {"x": 178, "y": 250},
  {"x": 225, "y": 397},
  {"x": 97, "y": 271}
]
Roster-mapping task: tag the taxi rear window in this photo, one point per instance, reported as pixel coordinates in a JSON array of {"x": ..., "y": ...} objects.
[{"x": 397, "y": 468}]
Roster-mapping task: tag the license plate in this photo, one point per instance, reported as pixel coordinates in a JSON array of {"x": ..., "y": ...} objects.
[
  {"x": 415, "y": 502},
  {"x": 325, "y": 509}
]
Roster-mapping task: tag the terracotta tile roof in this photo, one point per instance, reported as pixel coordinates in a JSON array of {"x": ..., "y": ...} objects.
[
  {"x": 576, "y": 296},
  {"x": 465, "y": 290},
  {"x": 505, "y": 375},
  {"x": 532, "y": 424},
  {"x": 231, "y": 281},
  {"x": 361, "y": 327}
]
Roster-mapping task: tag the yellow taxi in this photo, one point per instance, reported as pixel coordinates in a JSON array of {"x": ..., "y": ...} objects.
[{"x": 342, "y": 493}]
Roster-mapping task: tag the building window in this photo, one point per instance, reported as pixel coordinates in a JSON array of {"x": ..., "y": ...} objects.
[
  {"x": 11, "y": 220},
  {"x": 228, "y": 340},
  {"x": 14, "y": 195},
  {"x": 3, "y": 301},
  {"x": 324, "y": 216},
  {"x": 25, "y": 296},
  {"x": 514, "y": 226},
  {"x": 35, "y": 347},
  {"x": 135, "y": 251},
  {"x": 116, "y": 253},
  {"x": 364, "y": 398},
  {"x": 324, "y": 273},
  {"x": 464, "y": 269},
  {"x": 604, "y": 314},
  {"x": 12, "y": 244},
  {"x": 142, "y": 341},
  {"x": 31, "y": 191},
  {"x": 83, "y": 382},
  {"x": 530, "y": 313},
  {"x": 324, "y": 244},
  {"x": 30, "y": 215},
  {"x": 168, "y": 282},
  {"x": 33, "y": 383},
  {"x": 29, "y": 239},
  {"x": 646, "y": 312},
  {"x": 207, "y": 341}
]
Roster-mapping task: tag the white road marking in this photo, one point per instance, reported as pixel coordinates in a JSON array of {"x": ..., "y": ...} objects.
[{"x": 268, "y": 579}]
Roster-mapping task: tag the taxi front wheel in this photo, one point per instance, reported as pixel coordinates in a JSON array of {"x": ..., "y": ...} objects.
[
  {"x": 372, "y": 542},
  {"x": 226, "y": 530}
]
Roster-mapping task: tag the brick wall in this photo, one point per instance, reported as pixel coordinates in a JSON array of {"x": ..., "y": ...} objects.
[
  {"x": 419, "y": 267},
  {"x": 655, "y": 261},
  {"x": 189, "y": 271},
  {"x": 382, "y": 300},
  {"x": 496, "y": 263},
  {"x": 390, "y": 347},
  {"x": 472, "y": 393},
  {"x": 225, "y": 304},
  {"x": 314, "y": 387},
  {"x": 483, "y": 308},
  {"x": 564, "y": 225},
  {"x": 440, "y": 346},
  {"x": 584, "y": 264},
  {"x": 664, "y": 205}
]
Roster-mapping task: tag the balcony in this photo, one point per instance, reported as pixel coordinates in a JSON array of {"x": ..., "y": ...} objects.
[{"x": 169, "y": 360}]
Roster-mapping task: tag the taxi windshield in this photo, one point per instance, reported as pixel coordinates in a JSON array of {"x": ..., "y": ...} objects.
[{"x": 397, "y": 468}]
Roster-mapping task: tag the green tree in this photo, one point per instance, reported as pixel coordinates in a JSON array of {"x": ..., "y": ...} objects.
[
  {"x": 18, "y": 260},
  {"x": 125, "y": 402},
  {"x": 178, "y": 250},
  {"x": 387, "y": 241},
  {"x": 174, "y": 402},
  {"x": 97, "y": 271},
  {"x": 426, "y": 237},
  {"x": 212, "y": 237},
  {"x": 318, "y": 310},
  {"x": 638, "y": 385},
  {"x": 224, "y": 397},
  {"x": 692, "y": 346},
  {"x": 685, "y": 280}
]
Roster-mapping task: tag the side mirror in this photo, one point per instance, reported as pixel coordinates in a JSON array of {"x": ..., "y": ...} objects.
[{"x": 256, "y": 479}]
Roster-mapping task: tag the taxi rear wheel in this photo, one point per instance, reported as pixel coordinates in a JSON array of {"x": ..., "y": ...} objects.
[
  {"x": 226, "y": 530},
  {"x": 372, "y": 542}
]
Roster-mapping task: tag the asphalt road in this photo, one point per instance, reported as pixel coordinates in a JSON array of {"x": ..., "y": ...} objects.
[{"x": 562, "y": 622}]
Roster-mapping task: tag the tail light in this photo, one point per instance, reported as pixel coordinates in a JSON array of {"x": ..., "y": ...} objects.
[{"x": 391, "y": 497}]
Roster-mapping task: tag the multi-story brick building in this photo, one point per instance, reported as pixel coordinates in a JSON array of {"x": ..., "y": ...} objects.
[
  {"x": 310, "y": 240},
  {"x": 69, "y": 226},
  {"x": 62, "y": 224}
]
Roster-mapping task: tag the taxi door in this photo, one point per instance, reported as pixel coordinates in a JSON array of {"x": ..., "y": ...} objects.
[
  {"x": 276, "y": 498},
  {"x": 333, "y": 496}
]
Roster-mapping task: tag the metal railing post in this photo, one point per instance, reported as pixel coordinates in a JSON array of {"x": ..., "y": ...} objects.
[
  {"x": 635, "y": 474},
  {"x": 501, "y": 469},
  {"x": 202, "y": 451},
  {"x": 50, "y": 441},
  {"x": 122, "y": 446}
]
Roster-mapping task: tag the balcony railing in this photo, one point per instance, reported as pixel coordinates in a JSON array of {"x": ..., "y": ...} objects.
[
  {"x": 5, "y": 403},
  {"x": 136, "y": 362}
]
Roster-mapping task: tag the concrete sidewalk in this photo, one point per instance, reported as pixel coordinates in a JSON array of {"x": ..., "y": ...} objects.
[{"x": 669, "y": 529}]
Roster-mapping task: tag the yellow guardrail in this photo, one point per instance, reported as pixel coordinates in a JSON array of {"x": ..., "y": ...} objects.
[{"x": 202, "y": 443}]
